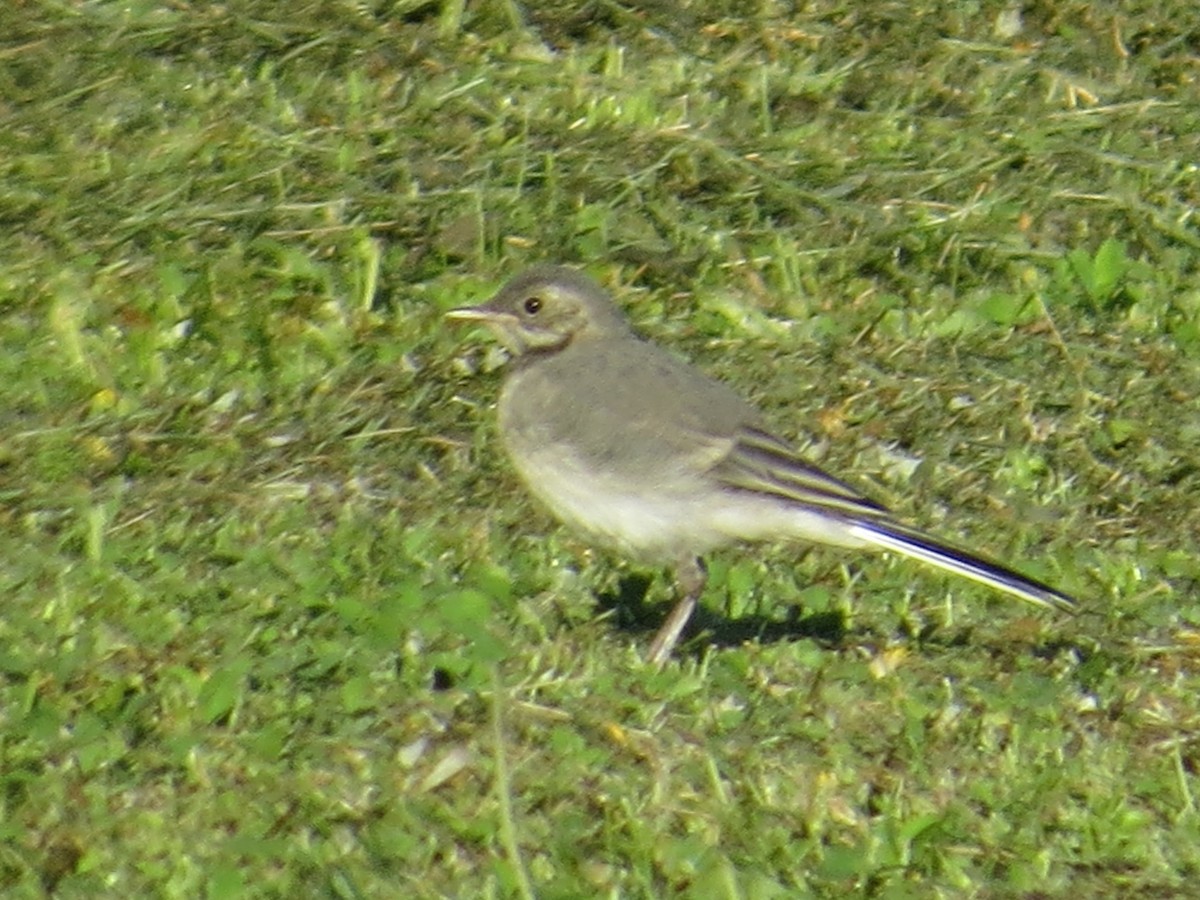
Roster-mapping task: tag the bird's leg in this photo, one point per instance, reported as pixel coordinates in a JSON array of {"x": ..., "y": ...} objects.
[{"x": 690, "y": 575}]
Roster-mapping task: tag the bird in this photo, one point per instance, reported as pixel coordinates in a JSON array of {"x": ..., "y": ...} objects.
[{"x": 642, "y": 452}]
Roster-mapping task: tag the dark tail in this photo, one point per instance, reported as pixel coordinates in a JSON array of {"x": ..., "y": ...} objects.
[{"x": 916, "y": 545}]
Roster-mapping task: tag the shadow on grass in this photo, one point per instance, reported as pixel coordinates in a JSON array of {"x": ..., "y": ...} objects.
[{"x": 632, "y": 613}]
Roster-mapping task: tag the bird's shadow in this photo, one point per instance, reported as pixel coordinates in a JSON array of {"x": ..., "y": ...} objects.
[{"x": 632, "y": 612}]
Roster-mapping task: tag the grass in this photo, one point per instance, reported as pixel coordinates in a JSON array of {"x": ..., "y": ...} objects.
[{"x": 279, "y": 621}]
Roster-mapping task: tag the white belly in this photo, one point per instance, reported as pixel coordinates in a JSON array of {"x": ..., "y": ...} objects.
[{"x": 664, "y": 522}]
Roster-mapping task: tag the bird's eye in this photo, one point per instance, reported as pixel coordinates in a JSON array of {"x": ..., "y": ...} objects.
[{"x": 533, "y": 305}]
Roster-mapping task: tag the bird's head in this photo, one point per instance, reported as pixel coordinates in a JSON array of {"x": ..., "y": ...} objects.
[{"x": 546, "y": 308}]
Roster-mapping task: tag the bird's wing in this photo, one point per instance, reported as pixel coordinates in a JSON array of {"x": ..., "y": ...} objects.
[
  {"x": 760, "y": 462},
  {"x": 683, "y": 424}
]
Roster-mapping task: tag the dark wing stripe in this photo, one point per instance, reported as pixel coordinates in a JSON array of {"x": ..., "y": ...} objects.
[
  {"x": 762, "y": 463},
  {"x": 780, "y": 456}
]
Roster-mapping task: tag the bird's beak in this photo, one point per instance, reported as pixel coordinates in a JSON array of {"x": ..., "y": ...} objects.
[
  {"x": 472, "y": 314},
  {"x": 502, "y": 324}
]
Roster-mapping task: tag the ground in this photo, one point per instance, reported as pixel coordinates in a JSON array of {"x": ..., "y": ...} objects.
[{"x": 280, "y": 621}]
